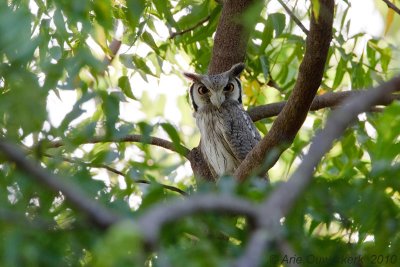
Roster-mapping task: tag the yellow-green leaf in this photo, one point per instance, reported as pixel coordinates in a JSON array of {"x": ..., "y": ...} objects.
[
  {"x": 315, "y": 8},
  {"x": 389, "y": 19}
]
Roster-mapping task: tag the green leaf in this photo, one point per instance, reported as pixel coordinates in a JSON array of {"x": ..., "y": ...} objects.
[
  {"x": 124, "y": 84},
  {"x": 386, "y": 56},
  {"x": 371, "y": 53},
  {"x": 103, "y": 11},
  {"x": 265, "y": 67},
  {"x": 316, "y": 8},
  {"x": 110, "y": 107},
  {"x": 341, "y": 69},
  {"x": 173, "y": 134},
  {"x": 278, "y": 21},
  {"x": 134, "y": 11},
  {"x": 149, "y": 40}
]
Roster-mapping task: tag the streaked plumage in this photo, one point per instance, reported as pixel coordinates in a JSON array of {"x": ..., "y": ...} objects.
[{"x": 227, "y": 131}]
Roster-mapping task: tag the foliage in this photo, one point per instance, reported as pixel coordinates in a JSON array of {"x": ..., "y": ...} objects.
[{"x": 53, "y": 51}]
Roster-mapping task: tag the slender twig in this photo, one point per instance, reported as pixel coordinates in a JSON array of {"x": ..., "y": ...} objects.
[
  {"x": 293, "y": 17},
  {"x": 115, "y": 44},
  {"x": 392, "y": 6},
  {"x": 201, "y": 22},
  {"x": 180, "y": 149},
  {"x": 96, "y": 213},
  {"x": 113, "y": 170},
  {"x": 114, "y": 48}
]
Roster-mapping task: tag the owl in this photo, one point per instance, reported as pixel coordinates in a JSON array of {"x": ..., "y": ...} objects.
[{"x": 227, "y": 131}]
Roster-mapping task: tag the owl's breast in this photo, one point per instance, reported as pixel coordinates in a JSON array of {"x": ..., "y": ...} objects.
[{"x": 214, "y": 144}]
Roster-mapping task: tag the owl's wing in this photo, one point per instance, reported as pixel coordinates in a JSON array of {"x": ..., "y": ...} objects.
[{"x": 240, "y": 131}]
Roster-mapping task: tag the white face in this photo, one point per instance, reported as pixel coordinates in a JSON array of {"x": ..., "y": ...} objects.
[{"x": 211, "y": 91}]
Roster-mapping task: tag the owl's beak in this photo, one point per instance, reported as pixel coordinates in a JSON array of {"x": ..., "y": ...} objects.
[{"x": 217, "y": 99}]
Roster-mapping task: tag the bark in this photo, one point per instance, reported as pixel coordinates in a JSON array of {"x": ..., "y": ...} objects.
[{"x": 231, "y": 37}]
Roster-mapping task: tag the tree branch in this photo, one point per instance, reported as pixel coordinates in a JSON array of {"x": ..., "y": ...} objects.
[
  {"x": 180, "y": 149},
  {"x": 96, "y": 213},
  {"x": 115, "y": 44},
  {"x": 392, "y": 6},
  {"x": 289, "y": 121},
  {"x": 293, "y": 17},
  {"x": 321, "y": 101}
]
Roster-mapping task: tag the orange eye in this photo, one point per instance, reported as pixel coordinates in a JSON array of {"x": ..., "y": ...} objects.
[
  {"x": 229, "y": 87},
  {"x": 202, "y": 90}
]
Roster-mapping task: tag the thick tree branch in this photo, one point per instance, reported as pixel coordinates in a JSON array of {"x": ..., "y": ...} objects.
[
  {"x": 96, "y": 213},
  {"x": 289, "y": 121},
  {"x": 231, "y": 37},
  {"x": 321, "y": 101},
  {"x": 180, "y": 149}
]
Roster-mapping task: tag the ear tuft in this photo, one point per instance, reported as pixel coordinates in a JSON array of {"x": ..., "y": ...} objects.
[
  {"x": 236, "y": 69},
  {"x": 192, "y": 76}
]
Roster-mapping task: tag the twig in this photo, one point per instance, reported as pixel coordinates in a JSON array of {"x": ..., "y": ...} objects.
[
  {"x": 293, "y": 17},
  {"x": 180, "y": 149},
  {"x": 174, "y": 34},
  {"x": 113, "y": 170},
  {"x": 114, "y": 48},
  {"x": 96, "y": 213},
  {"x": 115, "y": 44},
  {"x": 392, "y": 6},
  {"x": 321, "y": 101}
]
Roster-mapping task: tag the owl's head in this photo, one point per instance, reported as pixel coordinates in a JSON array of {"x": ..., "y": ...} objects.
[{"x": 213, "y": 90}]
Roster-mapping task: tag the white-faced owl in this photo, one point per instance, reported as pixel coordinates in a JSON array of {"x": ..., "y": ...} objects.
[{"x": 227, "y": 131}]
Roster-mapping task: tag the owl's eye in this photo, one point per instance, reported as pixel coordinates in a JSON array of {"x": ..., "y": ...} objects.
[
  {"x": 229, "y": 87},
  {"x": 202, "y": 90}
]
